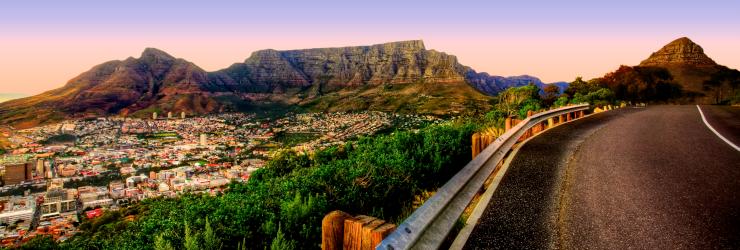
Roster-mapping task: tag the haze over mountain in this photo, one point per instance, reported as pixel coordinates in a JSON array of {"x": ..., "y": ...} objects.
[
  {"x": 397, "y": 76},
  {"x": 10, "y": 96}
]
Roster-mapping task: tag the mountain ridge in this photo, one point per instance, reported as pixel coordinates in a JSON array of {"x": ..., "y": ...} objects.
[{"x": 397, "y": 76}]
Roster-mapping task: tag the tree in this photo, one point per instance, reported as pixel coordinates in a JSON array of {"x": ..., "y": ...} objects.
[
  {"x": 723, "y": 75},
  {"x": 551, "y": 93},
  {"x": 551, "y": 90},
  {"x": 515, "y": 101},
  {"x": 715, "y": 87}
]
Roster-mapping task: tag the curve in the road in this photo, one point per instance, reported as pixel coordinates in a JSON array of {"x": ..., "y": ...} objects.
[
  {"x": 631, "y": 178},
  {"x": 715, "y": 131}
]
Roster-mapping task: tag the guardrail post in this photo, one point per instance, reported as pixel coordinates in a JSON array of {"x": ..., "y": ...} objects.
[
  {"x": 332, "y": 230},
  {"x": 507, "y": 125}
]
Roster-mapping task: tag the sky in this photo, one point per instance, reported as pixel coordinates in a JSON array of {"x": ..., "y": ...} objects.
[{"x": 43, "y": 44}]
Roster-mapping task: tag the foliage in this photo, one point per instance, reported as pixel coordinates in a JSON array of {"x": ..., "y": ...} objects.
[
  {"x": 550, "y": 94},
  {"x": 62, "y": 138},
  {"x": 282, "y": 205},
  {"x": 643, "y": 84},
  {"x": 515, "y": 102},
  {"x": 582, "y": 87},
  {"x": 718, "y": 79},
  {"x": 602, "y": 96},
  {"x": 562, "y": 101}
]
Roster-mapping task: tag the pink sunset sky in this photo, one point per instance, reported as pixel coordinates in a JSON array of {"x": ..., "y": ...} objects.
[{"x": 46, "y": 43}]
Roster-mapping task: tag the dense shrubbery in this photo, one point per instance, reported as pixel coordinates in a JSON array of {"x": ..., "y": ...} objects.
[{"x": 282, "y": 206}]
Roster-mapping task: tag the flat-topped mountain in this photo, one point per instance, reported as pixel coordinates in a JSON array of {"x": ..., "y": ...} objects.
[{"x": 398, "y": 76}]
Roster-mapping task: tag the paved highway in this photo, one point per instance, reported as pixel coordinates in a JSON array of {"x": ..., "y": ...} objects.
[{"x": 632, "y": 178}]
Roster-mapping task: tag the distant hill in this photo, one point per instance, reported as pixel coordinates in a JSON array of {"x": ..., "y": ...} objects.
[
  {"x": 687, "y": 63},
  {"x": 11, "y": 96},
  {"x": 492, "y": 85}
]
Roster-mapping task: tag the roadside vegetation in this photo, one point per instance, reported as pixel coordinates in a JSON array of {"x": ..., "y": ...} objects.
[{"x": 281, "y": 207}]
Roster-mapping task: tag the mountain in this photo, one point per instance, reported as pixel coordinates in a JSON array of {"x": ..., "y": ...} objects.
[
  {"x": 11, "y": 96},
  {"x": 688, "y": 64},
  {"x": 398, "y": 76},
  {"x": 492, "y": 85}
]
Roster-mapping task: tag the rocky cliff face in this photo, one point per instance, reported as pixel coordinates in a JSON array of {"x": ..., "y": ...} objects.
[
  {"x": 398, "y": 76},
  {"x": 338, "y": 68},
  {"x": 681, "y": 51}
]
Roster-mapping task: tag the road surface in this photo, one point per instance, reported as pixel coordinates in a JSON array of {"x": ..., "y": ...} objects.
[{"x": 633, "y": 178}]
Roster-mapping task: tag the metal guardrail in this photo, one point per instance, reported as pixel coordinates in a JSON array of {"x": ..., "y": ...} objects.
[{"x": 430, "y": 224}]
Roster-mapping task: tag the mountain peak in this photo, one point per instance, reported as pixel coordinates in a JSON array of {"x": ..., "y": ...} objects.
[
  {"x": 150, "y": 53},
  {"x": 681, "y": 51}
]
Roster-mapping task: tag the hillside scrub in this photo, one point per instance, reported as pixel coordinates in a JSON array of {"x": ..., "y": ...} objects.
[{"x": 283, "y": 203}]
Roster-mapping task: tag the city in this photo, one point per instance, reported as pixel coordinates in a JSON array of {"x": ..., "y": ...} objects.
[{"x": 130, "y": 160}]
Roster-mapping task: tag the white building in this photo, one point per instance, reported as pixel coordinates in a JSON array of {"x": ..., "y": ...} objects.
[
  {"x": 95, "y": 203},
  {"x": 18, "y": 209},
  {"x": 203, "y": 139},
  {"x": 154, "y": 116}
]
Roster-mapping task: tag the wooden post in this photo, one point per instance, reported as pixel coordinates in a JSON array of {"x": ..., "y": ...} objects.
[
  {"x": 353, "y": 231},
  {"x": 367, "y": 239},
  {"x": 507, "y": 125},
  {"x": 379, "y": 233},
  {"x": 582, "y": 115},
  {"x": 476, "y": 144},
  {"x": 332, "y": 230}
]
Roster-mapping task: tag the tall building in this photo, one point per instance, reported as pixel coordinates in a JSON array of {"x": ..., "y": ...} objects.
[
  {"x": 182, "y": 115},
  {"x": 17, "y": 173},
  {"x": 203, "y": 139},
  {"x": 169, "y": 115},
  {"x": 40, "y": 165},
  {"x": 154, "y": 115}
]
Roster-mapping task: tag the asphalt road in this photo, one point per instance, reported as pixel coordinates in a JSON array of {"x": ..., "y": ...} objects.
[{"x": 631, "y": 178}]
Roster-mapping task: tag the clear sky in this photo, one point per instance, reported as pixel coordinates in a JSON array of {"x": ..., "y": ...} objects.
[{"x": 43, "y": 44}]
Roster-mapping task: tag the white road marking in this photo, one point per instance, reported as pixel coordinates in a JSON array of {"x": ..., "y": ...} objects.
[{"x": 715, "y": 131}]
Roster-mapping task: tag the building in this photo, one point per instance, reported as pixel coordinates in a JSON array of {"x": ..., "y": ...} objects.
[
  {"x": 17, "y": 173},
  {"x": 182, "y": 115},
  {"x": 96, "y": 203},
  {"x": 154, "y": 115},
  {"x": 69, "y": 171},
  {"x": 57, "y": 199},
  {"x": 40, "y": 166},
  {"x": 117, "y": 189},
  {"x": 17, "y": 209},
  {"x": 169, "y": 115},
  {"x": 152, "y": 175},
  {"x": 203, "y": 139}
]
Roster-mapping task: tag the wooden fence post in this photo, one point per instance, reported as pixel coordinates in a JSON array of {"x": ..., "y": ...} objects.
[
  {"x": 332, "y": 230},
  {"x": 340, "y": 231},
  {"x": 507, "y": 124},
  {"x": 379, "y": 233},
  {"x": 367, "y": 234},
  {"x": 353, "y": 231},
  {"x": 476, "y": 145}
]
